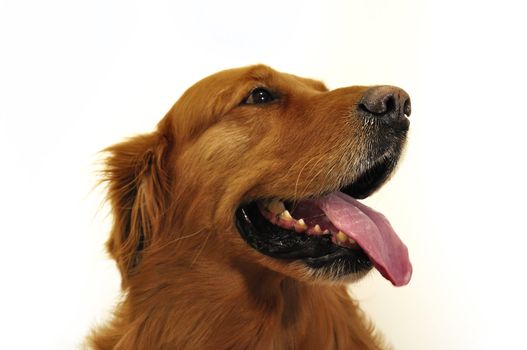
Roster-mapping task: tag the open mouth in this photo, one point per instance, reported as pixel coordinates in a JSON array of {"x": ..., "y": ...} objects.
[{"x": 333, "y": 231}]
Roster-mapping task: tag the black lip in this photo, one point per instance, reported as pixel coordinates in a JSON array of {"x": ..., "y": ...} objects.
[
  {"x": 371, "y": 180},
  {"x": 315, "y": 251}
]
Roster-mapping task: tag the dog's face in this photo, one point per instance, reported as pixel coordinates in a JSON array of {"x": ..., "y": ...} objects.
[{"x": 267, "y": 163}]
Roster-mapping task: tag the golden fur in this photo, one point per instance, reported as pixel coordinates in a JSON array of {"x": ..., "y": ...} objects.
[{"x": 189, "y": 280}]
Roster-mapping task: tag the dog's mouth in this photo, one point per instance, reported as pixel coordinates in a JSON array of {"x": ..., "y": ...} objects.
[{"x": 333, "y": 231}]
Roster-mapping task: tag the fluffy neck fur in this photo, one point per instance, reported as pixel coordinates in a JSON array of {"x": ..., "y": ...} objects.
[{"x": 198, "y": 305}]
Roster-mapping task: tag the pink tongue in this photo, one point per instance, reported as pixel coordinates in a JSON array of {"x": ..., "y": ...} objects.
[{"x": 372, "y": 231}]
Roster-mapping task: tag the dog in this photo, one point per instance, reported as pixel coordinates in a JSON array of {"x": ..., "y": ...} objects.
[{"x": 236, "y": 222}]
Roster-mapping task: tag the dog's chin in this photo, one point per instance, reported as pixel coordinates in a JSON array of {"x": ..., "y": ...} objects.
[{"x": 274, "y": 227}]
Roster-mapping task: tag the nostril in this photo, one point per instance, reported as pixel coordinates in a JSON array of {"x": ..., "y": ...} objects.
[
  {"x": 377, "y": 105},
  {"x": 407, "y": 109},
  {"x": 389, "y": 104},
  {"x": 363, "y": 108}
]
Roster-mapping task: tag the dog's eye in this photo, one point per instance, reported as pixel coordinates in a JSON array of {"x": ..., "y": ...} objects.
[{"x": 259, "y": 96}]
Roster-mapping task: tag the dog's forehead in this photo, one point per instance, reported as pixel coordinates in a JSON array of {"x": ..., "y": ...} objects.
[
  {"x": 272, "y": 77},
  {"x": 261, "y": 75}
]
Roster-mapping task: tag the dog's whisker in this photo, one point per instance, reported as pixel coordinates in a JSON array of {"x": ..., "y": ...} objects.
[
  {"x": 201, "y": 249},
  {"x": 184, "y": 237},
  {"x": 306, "y": 187},
  {"x": 298, "y": 178},
  {"x": 163, "y": 244},
  {"x": 319, "y": 159}
]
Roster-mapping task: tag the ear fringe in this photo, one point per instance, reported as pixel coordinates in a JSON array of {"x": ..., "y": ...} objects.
[{"x": 138, "y": 191}]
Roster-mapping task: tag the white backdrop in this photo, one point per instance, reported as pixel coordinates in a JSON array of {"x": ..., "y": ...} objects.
[{"x": 77, "y": 76}]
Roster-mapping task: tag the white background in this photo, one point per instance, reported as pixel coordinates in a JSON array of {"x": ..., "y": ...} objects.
[{"x": 76, "y": 77}]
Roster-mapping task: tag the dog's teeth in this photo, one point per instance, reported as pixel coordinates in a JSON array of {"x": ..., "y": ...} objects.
[
  {"x": 286, "y": 216},
  {"x": 326, "y": 232},
  {"x": 317, "y": 229},
  {"x": 351, "y": 241},
  {"x": 276, "y": 206},
  {"x": 300, "y": 225},
  {"x": 341, "y": 237}
]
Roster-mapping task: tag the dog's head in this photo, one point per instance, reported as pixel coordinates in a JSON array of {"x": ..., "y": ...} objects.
[{"x": 260, "y": 167}]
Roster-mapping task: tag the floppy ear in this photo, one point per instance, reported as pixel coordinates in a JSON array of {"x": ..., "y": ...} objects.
[{"x": 138, "y": 191}]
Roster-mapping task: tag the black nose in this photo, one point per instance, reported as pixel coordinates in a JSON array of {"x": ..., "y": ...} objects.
[{"x": 389, "y": 104}]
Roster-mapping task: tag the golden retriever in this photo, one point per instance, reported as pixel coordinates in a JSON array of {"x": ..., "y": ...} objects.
[{"x": 236, "y": 224}]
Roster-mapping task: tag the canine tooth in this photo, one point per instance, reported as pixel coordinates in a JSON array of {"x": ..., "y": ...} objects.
[
  {"x": 341, "y": 237},
  {"x": 285, "y": 215},
  {"x": 317, "y": 229},
  {"x": 326, "y": 232},
  {"x": 351, "y": 241},
  {"x": 276, "y": 206}
]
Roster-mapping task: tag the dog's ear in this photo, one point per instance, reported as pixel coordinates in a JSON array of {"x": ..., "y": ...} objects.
[{"x": 138, "y": 190}]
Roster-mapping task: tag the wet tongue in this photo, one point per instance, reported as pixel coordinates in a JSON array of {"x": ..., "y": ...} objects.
[{"x": 372, "y": 232}]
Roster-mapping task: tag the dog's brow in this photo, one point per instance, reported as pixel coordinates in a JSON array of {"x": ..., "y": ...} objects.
[{"x": 261, "y": 75}]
